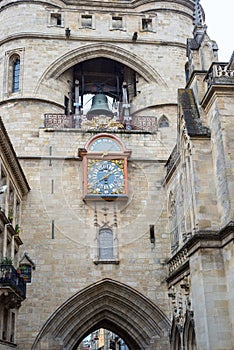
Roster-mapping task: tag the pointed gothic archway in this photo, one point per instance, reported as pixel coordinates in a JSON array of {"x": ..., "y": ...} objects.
[
  {"x": 91, "y": 51},
  {"x": 106, "y": 304}
]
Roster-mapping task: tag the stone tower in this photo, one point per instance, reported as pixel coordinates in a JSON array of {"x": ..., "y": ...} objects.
[{"x": 99, "y": 222}]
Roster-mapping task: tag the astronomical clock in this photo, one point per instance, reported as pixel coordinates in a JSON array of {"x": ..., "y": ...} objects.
[{"x": 105, "y": 168}]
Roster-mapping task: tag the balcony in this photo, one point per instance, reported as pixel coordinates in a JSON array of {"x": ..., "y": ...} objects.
[
  {"x": 147, "y": 124},
  {"x": 12, "y": 286},
  {"x": 219, "y": 73}
]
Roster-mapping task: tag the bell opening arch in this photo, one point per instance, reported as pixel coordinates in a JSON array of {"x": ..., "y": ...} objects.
[
  {"x": 125, "y": 78},
  {"x": 111, "y": 305},
  {"x": 108, "y": 51}
]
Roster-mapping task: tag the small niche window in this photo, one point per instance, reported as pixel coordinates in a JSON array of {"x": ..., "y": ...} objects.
[
  {"x": 147, "y": 24},
  {"x": 106, "y": 251},
  {"x": 56, "y": 19},
  {"x": 86, "y": 21},
  {"x": 117, "y": 22},
  {"x": 16, "y": 74},
  {"x": 163, "y": 122}
]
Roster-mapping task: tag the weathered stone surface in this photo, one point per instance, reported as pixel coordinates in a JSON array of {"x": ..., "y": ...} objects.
[{"x": 189, "y": 202}]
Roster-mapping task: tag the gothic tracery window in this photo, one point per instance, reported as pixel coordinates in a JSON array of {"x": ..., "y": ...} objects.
[
  {"x": 14, "y": 71},
  {"x": 163, "y": 122}
]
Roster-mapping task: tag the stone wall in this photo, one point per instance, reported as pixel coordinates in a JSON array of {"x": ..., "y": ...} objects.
[
  {"x": 59, "y": 228},
  {"x": 65, "y": 259}
]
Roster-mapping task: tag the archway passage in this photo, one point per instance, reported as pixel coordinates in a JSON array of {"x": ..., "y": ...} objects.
[{"x": 106, "y": 304}]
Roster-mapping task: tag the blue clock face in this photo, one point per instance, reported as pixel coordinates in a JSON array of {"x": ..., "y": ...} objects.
[{"x": 106, "y": 177}]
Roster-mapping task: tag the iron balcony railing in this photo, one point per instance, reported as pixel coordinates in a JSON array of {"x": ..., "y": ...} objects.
[
  {"x": 59, "y": 121},
  {"x": 9, "y": 277},
  {"x": 63, "y": 121}
]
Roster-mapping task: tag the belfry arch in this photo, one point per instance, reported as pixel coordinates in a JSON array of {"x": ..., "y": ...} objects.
[
  {"x": 108, "y": 304},
  {"x": 110, "y": 51}
]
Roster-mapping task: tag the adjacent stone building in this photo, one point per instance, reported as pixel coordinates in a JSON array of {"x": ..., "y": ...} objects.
[
  {"x": 13, "y": 189},
  {"x": 121, "y": 118}
]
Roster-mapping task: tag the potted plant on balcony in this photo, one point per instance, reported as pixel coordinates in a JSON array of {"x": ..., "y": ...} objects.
[{"x": 6, "y": 261}]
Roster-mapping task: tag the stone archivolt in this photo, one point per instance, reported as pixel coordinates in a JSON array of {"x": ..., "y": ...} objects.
[
  {"x": 106, "y": 303},
  {"x": 114, "y": 52}
]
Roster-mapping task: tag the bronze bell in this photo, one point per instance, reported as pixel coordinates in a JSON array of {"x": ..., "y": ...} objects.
[{"x": 99, "y": 106}]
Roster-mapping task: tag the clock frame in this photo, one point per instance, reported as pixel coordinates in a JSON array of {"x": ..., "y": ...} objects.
[{"x": 105, "y": 168}]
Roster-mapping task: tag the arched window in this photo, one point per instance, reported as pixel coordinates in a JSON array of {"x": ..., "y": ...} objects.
[
  {"x": 106, "y": 251},
  {"x": 163, "y": 122},
  {"x": 16, "y": 74}
]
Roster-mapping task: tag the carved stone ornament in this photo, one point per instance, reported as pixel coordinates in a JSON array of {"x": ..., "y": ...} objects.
[{"x": 101, "y": 122}]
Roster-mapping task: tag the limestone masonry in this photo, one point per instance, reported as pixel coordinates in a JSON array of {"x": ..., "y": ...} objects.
[{"x": 116, "y": 177}]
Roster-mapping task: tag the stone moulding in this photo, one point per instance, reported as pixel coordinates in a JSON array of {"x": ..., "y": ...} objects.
[
  {"x": 201, "y": 240},
  {"x": 110, "y": 51},
  {"x": 106, "y": 303},
  {"x": 129, "y": 4}
]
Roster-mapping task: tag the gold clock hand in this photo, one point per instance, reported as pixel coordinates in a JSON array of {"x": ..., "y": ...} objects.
[
  {"x": 107, "y": 175},
  {"x": 104, "y": 177},
  {"x": 101, "y": 179}
]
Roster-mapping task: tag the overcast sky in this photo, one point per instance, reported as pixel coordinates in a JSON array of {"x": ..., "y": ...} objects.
[{"x": 220, "y": 22}]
